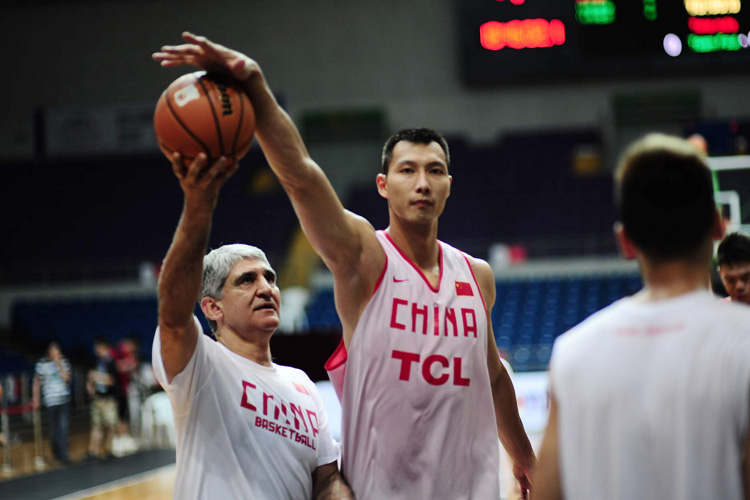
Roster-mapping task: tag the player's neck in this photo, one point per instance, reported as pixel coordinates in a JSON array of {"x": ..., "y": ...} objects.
[
  {"x": 418, "y": 242},
  {"x": 255, "y": 348},
  {"x": 671, "y": 279}
]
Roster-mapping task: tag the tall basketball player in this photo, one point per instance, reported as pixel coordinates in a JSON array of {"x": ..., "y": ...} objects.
[
  {"x": 651, "y": 396},
  {"x": 424, "y": 394}
]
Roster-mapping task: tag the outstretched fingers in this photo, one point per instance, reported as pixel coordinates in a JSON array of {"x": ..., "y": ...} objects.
[
  {"x": 223, "y": 169},
  {"x": 178, "y": 167},
  {"x": 199, "y": 168}
]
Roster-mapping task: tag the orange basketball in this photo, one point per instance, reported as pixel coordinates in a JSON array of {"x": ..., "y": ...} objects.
[{"x": 201, "y": 112}]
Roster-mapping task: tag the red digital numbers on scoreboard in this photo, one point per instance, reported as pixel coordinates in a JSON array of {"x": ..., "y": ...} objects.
[
  {"x": 584, "y": 39},
  {"x": 711, "y": 25},
  {"x": 522, "y": 34}
]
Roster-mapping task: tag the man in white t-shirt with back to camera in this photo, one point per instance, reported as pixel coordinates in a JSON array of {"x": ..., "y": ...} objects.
[
  {"x": 246, "y": 427},
  {"x": 650, "y": 397}
]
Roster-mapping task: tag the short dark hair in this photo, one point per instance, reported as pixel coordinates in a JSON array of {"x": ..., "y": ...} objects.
[
  {"x": 417, "y": 136},
  {"x": 733, "y": 249},
  {"x": 101, "y": 339},
  {"x": 664, "y": 197}
]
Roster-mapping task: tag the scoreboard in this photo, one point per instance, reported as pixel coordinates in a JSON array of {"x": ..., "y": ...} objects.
[{"x": 516, "y": 41}]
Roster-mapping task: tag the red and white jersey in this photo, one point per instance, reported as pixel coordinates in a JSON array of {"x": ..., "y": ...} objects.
[
  {"x": 244, "y": 430},
  {"x": 653, "y": 400},
  {"x": 418, "y": 420}
]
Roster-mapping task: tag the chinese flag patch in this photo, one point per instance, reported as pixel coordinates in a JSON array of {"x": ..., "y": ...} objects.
[
  {"x": 464, "y": 288},
  {"x": 301, "y": 388}
]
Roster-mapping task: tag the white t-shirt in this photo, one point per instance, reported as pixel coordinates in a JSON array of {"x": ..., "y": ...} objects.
[
  {"x": 244, "y": 430},
  {"x": 654, "y": 400},
  {"x": 418, "y": 421},
  {"x": 55, "y": 391}
]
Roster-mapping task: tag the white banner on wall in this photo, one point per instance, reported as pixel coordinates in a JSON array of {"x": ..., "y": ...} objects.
[{"x": 124, "y": 128}]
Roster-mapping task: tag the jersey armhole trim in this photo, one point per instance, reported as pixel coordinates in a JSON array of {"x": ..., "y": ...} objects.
[
  {"x": 382, "y": 275},
  {"x": 338, "y": 357},
  {"x": 471, "y": 270}
]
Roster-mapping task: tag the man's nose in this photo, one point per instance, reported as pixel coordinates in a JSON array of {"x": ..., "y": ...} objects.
[
  {"x": 264, "y": 287},
  {"x": 423, "y": 186}
]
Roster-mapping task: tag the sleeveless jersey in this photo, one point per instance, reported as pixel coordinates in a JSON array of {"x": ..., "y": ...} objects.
[
  {"x": 418, "y": 420},
  {"x": 654, "y": 400}
]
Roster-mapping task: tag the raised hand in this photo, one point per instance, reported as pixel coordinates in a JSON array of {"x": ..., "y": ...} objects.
[
  {"x": 205, "y": 54},
  {"x": 201, "y": 181}
]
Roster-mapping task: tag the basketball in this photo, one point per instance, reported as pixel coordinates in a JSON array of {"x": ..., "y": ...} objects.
[{"x": 202, "y": 112}]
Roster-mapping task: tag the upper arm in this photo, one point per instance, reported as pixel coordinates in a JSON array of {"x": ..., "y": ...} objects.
[
  {"x": 337, "y": 235},
  {"x": 177, "y": 347},
  {"x": 486, "y": 281}
]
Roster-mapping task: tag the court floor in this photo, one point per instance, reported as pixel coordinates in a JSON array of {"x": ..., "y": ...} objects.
[{"x": 146, "y": 475}]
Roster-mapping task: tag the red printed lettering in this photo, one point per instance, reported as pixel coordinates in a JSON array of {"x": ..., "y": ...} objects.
[
  {"x": 457, "y": 378},
  {"x": 282, "y": 410},
  {"x": 245, "y": 401},
  {"x": 314, "y": 425},
  {"x": 418, "y": 311},
  {"x": 450, "y": 317},
  {"x": 404, "y": 311},
  {"x": 297, "y": 412},
  {"x": 407, "y": 358},
  {"x": 436, "y": 320},
  {"x": 266, "y": 397},
  {"x": 394, "y": 312},
  {"x": 427, "y": 369},
  {"x": 466, "y": 314}
]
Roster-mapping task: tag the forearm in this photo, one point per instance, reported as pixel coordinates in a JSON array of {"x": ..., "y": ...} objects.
[
  {"x": 328, "y": 484},
  {"x": 277, "y": 134},
  {"x": 510, "y": 429},
  {"x": 335, "y": 489},
  {"x": 182, "y": 270},
  {"x": 319, "y": 210}
]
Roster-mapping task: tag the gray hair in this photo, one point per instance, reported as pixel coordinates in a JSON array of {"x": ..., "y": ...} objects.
[{"x": 217, "y": 265}]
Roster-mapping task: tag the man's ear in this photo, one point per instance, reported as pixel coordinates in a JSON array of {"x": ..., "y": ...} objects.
[
  {"x": 626, "y": 246},
  {"x": 211, "y": 309},
  {"x": 380, "y": 180}
]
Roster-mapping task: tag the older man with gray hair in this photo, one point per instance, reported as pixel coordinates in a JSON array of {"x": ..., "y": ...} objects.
[{"x": 246, "y": 427}]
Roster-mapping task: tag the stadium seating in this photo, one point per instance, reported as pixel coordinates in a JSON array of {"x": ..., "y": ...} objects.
[{"x": 529, "y": 313}]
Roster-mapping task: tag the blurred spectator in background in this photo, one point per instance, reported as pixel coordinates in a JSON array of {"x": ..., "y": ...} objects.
[
  {"x": 101, "y": 385},
  {"x": 733, "y": 258},
  {"x": 126, "y": 361},
  {"x": 52, "y": 389}
]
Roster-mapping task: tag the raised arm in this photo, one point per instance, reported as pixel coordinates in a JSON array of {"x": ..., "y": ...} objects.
[
  {"x": 509, "y": 426},
  {"x": 182, "y": 270},
  {"x": 346, "y": 242},
  {"x": 336, "y": 234}
]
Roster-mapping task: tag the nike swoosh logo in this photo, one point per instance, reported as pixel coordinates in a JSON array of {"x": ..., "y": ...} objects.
[{"x": 399, "y": 281}]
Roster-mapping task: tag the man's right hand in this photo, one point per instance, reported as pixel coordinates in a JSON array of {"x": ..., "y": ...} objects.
[{"x": 201, "y": 181}]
